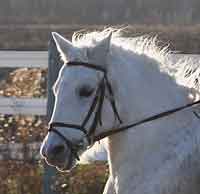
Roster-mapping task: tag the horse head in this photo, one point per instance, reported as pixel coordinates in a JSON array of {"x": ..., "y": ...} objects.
[{"x": 83, "y": 101}]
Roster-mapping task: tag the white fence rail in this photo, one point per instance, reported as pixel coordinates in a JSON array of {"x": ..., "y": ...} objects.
[
  {"x": 29, "y": 59},
  {"x": 26, "y": 106}
]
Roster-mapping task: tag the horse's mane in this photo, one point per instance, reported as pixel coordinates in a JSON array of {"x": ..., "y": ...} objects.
[{"x": 185, "y": 72}]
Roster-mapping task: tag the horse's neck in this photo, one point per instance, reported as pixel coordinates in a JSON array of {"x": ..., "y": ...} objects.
[
  {"x": 156, "y": 151},
  {"x": 144, "y": 91},
  {"x": 135, "y": 151}
]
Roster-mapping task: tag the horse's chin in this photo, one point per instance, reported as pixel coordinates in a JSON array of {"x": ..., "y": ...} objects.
[{"x": 65, "y": 166}]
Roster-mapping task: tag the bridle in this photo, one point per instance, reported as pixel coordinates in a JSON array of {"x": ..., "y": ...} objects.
[{"x": 96, "y": 109}]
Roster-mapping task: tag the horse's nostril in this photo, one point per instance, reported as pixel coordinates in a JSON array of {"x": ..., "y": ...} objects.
[{"x": 58, "y": 149}]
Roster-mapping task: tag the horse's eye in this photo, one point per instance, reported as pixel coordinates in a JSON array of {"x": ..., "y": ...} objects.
[{"x": 85, "y": 91}]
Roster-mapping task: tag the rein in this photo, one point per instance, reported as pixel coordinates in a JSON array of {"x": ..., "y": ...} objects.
[
  {"x": 96, "y": 109},
  {"x": 121, "y": 128}
]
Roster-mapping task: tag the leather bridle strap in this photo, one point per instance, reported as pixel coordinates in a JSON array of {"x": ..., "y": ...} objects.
[
  {"x": 88, "y": 65},
  {"x": 112, "y": 100},
  {"x": 93, "y": 105},
  {"x": 121, "y": 128},
  {"x": 68, "y": 142}
]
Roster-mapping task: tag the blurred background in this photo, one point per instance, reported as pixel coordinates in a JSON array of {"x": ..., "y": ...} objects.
[
  {"x": 100, "y": 12},
  {"x": 25, "y": 26}
]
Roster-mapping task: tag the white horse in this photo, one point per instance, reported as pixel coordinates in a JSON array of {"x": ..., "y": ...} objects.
[{"x": 161, "y": 156}]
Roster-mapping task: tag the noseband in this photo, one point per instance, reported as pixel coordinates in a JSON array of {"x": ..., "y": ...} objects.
[{"x": 96, "y": 109}]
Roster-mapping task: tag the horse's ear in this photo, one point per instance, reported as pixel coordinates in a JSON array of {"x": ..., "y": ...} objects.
[
  {"x": 99, "y": 52},
  {"x": 63, "y": 45}
]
